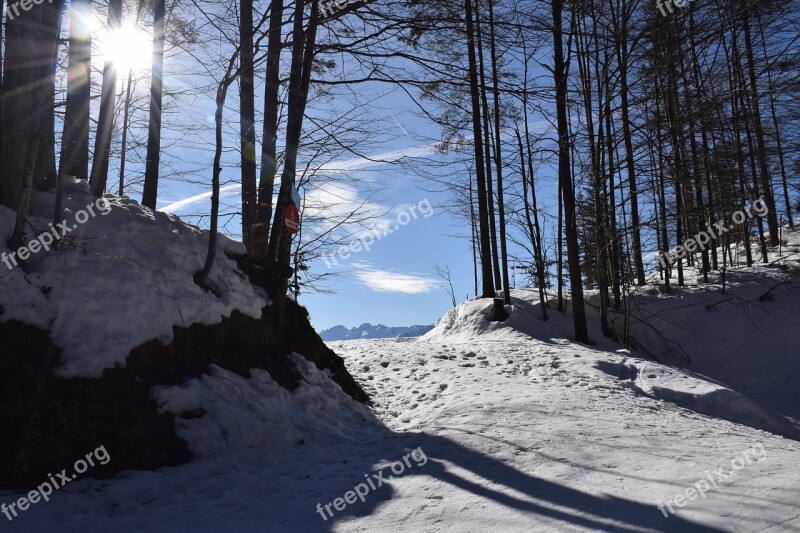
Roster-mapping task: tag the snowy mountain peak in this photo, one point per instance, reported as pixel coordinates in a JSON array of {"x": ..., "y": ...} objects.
[{"x": 368, "y": 331}]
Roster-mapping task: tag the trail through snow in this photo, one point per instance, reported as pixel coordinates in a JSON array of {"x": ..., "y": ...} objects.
[{"x": 519, "y": 435}]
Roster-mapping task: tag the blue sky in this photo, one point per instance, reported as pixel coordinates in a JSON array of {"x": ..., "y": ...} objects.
[{"x": 395, "y": 282}]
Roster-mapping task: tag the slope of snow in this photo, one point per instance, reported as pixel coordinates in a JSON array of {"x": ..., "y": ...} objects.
[
  {"x": 521, "y": 430},
  {"x": 126, "y": 272},
  {"x": 243, "y": 414},
  {"x": 469, "y": 322},
  {"x": 746, "y": 338},
  {"x": 477, "y": 426}
]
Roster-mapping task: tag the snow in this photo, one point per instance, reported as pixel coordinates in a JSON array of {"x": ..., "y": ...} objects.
[
  {"x": 123, "y": 278},
  {"x": 247, "y": 411},
  {"x": 523, "y": 429}
]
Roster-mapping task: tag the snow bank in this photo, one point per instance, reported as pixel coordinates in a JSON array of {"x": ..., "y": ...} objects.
[
  {"x": 245, "y": 417},
  {"x": 122, "y": 278},
  {"x": 471, "y": 320},
  {"x": 732, "y": 376},
  {"x": 745, "y": 338}
]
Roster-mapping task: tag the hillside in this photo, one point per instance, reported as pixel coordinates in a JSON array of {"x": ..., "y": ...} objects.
[
  {"x": 93, "y": 326},
  {"x": 481, "y": 426}
]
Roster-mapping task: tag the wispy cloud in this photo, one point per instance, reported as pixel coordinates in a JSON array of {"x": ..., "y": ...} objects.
[
  {"x": 333, "y": 166},
  {"x": 227, "y": 190},
  {"x": 386, "y": 281}
]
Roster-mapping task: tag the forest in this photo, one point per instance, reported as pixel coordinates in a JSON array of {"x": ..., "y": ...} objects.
[
  {"x": 186, "y": 186},
  {"x": 651, "y": 125}
]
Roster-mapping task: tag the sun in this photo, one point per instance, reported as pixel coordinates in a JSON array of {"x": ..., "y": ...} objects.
[{"x": 128, "y": 48}]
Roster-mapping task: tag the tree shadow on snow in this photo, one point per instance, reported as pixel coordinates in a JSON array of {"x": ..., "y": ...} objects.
[{"x": 532, "y": 495}]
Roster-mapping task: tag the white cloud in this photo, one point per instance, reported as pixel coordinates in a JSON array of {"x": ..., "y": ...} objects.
[
  {"x": 385, "y": 281},
  {"x": 360, "y": 162},
  {"x": 334, "y": 166},
  {"x": 227, "y": 190}
]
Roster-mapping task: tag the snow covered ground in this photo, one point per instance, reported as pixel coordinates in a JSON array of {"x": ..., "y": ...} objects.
[
  {"x": 477, "y": 426},
  {"x": 515, "y": 429}
]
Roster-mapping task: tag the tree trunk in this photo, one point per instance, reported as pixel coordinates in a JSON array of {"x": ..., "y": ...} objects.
[
  {"x": 269, "y": 141},
  {"x": 105, "y": 121},
  {"x": 487, "y": 144},
  {"x": 74, "y": 159},
  {"x": 44, "y": 176},
  {"x": 151, "y": 173},
  {"x": 766, "y": 180},
  {"x": 560, "y": 73},
  {"x": 247, "y": 119},
  {"x": 202, "y": 278},
  {"x": 498, "y": 154},
  {"x": 621, "y": 47},
  {"x": 302, "y": 62},
  {"x": 124, "y": 144},
  {"x": 28, "y": 67},
  {"x": 483, "y": 212}
]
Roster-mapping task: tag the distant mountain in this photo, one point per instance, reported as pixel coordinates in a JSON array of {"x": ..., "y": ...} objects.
[{"x": 368, "y": 331}]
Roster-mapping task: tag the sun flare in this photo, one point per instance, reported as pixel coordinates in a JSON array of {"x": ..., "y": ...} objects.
[{"x": 128, "y": 48}]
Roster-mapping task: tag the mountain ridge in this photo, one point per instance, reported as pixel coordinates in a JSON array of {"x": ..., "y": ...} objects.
[{"x": 370, "y": 331}]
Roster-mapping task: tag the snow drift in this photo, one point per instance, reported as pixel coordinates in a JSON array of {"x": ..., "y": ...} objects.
[
  {"x": 92, "y": 328},
  {"x": 730, "y": 355}
]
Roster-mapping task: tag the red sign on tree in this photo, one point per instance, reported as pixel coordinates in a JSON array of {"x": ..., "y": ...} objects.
[{"x": 291, "y": 218}]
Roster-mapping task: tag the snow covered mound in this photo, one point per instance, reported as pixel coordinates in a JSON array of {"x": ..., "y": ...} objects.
[
  {"x": 743, "y": 333},
  {"x": 123, "y": 276},
  {"x": 106, "y": 339},
  {"x": 247, "y": 417},
  {"x": 730, "y": 377},
  {"x": 471, "y": 320}
]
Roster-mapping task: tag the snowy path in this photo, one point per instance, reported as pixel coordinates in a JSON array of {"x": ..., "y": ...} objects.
[
  {"x": 579, "y": 450},
  {"x": 517, "y": 434}
]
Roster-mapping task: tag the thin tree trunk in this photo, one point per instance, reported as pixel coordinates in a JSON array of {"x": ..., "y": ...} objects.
[
  {"x": 74, "y": 159},
  {"x": 622, "y": 57},
  {"x": 498, "y": 154},
  {"x": 202, "y": 278},
  {"x": 151, "y": 175},
  {"x": 124, "y": 146},
  {"x": 483, "y": 212},
  {"x": 474, "y": 233},
  {"x": 269, "y": 141},
  {"x": 595, "y": 149},
  {"x": 560, "y": 74},
  {"x": 487, "y": 142},
  {"x": 247, "y": 119},
  {"x": 766, "y": 181},
  {"x": 776, "y": 126},
  {"x": 105, "y": 121},
  {"x": 533, "y": 229},
  {"x": 302, "y": 62}
]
